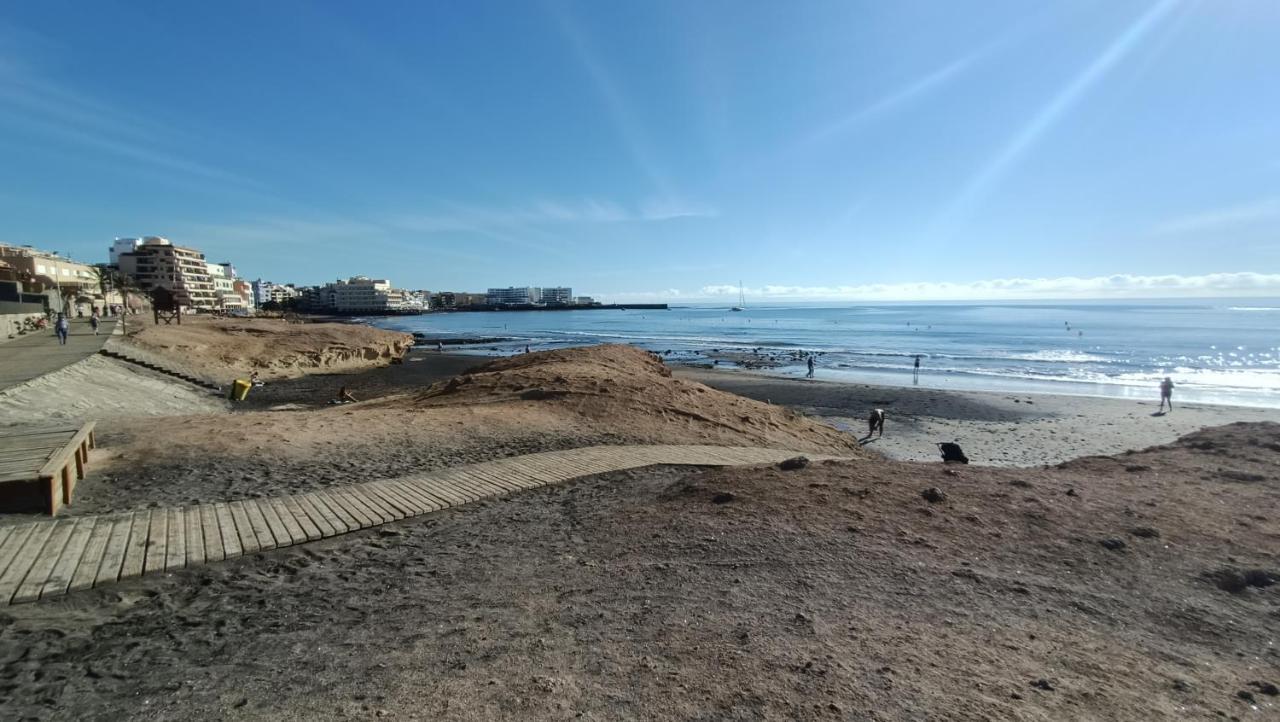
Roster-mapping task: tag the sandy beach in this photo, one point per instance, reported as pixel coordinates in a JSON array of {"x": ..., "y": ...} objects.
[
  {"x": 994, "y": 429},
  {"x": 1030, "y": 585}
]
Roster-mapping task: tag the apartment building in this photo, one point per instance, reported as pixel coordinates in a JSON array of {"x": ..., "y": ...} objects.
[
  {"x": 557, "y": 296},
  {"x": 513, "y": 296},
  {"x": 65, "y": 284},
  {"x": 226, "y": 297},
  {"x": 156, "y": 263}
]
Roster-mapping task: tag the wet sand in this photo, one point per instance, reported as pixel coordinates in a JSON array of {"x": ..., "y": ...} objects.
[{"x": 999, "y": 429}]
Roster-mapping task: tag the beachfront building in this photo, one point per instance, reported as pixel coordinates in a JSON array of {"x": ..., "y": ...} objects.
[
  {"x": 513, "y": 296},
  {"x": 584, "y": 301},
  {"x": 122, "y": 245},
  {"x": 458, "y": 299},
  {"x": 265, "y": 292},
  {"x": 360, "y": 294},
  {"x": 226, "y": 298},
  {"x": 67, "y": 286},
  {"x": 557, "y": 296},
  {"x": 156, "y": 263}
]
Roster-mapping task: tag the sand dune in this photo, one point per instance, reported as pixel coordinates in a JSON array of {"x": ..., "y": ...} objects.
[{"x": 223, "y": 349}]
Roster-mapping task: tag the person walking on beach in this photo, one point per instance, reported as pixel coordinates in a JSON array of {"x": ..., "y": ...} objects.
[
  {"x": 1166, "y": 393},
  {"x": 811, "y": 365},
  {"x": 94, "y": 321},
  {"x": 62, "y": 328}
]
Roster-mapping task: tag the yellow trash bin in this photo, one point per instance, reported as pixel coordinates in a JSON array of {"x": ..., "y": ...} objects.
[{"x": 240, "y": 389}]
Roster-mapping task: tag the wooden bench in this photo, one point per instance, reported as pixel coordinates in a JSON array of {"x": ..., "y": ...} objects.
[{"x": 39, "y": 467}]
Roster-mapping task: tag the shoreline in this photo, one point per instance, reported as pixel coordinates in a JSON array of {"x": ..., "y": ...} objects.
[{"x": 1021, "y": 429}]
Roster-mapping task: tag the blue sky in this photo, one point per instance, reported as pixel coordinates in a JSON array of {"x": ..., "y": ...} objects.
[{"x": 811, "y": 150}]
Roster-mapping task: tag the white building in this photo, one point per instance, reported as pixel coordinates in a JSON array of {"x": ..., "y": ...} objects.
[
  {"x": 157, "y": 263},
  {"x": 122, "y": 245},
  {"x": 513, "y": 296},
  {"x": 224, "y": 287}
]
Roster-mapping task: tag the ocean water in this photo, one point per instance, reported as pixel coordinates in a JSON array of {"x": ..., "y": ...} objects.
[{"x": 1216, "y": 351}]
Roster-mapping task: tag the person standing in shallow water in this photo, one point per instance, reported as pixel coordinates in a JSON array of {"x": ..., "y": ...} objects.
[
  {"x": 810, "y": 374},
  {"x": 915, "y": 373},
  {"x": 1166, "y": 393}
]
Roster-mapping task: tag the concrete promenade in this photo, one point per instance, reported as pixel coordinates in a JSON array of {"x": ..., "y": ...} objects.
[{"x": 39, "y": 353}]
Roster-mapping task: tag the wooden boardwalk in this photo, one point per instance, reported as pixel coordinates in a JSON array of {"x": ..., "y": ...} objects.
[
  {"x": 51, "y": 558},
  {"x": 39, "y": 467}
]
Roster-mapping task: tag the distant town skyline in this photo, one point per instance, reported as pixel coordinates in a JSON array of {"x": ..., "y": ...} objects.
[{"x": 820, "y": 151}]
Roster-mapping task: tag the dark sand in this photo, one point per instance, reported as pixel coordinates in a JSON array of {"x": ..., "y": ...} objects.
[{"x": 835, "y": 592}]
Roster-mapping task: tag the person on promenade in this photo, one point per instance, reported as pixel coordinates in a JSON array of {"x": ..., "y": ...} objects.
[
  {"x": 62, "y": 328},
  {"x": 876, "y": 423},
  {"x": 1166, "y": 393},
  {"x": 810, "y": 374},
  {"x": 94, "y": 321}
]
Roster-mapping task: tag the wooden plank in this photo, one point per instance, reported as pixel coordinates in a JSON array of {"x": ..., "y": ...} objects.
[
  {"x": 465, "y": 482},
  {"x": 453, "y": 481},
  {"x": 564, "y": 464},
  {"x": 396, "y": 499},
  {"x": 67, "y": 432},
  {"x": 135, "y": 552},
  {"x": 64, "y": 570},
  {"x": 378, "y": 510},
  {"x": 436, "y": 486},
  {"x": 87, "y": 570},
  {"x": 63, "y": 455},
  {"x": 279, "y": 531},
  {"x": 227, "y": 532},
  {"x": 323, "y": 522},
  {"x": 497, "y": 475},
  {"x": 211, "y": 525},
  {"x": 310, "y": 530},
  {"x": 193, "y": 528},
  {"x": 46, "y": 560},
  {"x": 340, "y": 522},
  {"x": 291, "y": 526},
  {"x": 482, "y": 485},
  {"x": 258, "y": 523},
  {"x": 549, "y": 466},
  {"x": 420, "y": 484},
  {"x": 176, "y": 556},
  {"x": 424, "y": 502},
  {"x": 392, "y": 502},
  {"x": 157, "y": 542},
  {"x": 13, "y": 542},
  {"x": 17, "y": 458},
  {"x": 356, "y": 508},
  {"x": 24, "y": 559},
  {"x": 243, "y": 527},
  {"x": 339, "y": 510},
  {"x": 529, "y": 475},
  {"x": 522, "y": 472},
  {"x": 114, "y": 553}
]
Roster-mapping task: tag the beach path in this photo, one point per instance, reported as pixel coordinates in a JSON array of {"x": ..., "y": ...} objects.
[
  {"x": 39, "y": 353},
  {"x": 47, "y": 559}
]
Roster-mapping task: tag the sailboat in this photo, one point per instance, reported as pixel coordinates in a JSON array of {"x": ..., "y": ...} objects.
[{"x": 742, "y": 300}]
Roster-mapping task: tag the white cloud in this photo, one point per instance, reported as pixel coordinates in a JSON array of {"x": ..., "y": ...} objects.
[{"x": 1069, "y": 287}]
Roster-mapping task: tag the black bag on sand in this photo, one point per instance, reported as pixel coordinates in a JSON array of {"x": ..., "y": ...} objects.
[{"x": 951, "y": 453}]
